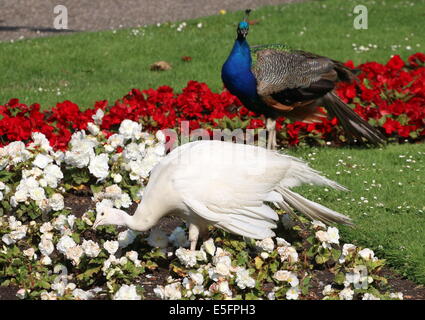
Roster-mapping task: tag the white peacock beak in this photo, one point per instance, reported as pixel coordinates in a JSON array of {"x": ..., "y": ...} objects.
[{"x": 96, "y": 224}]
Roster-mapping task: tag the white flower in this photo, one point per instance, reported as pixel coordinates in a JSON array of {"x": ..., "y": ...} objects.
[
  {"x": 186, "y": 257},
  {"x": 222, "y": 265},
  {"x": 157, "y": 238},
  {"x": 7, "y": 239},
  {"x": 124, "y": 201},
  {"x": 243, "y": 280},
  {"x": 81, "y": 151},
  {"x": 327, "y": 290},
  {"x": 367, "y": 254},
  {"x": 348, "y": 248},
  {"x": 160, "y": 292},
  {"x": 223, "y": 287},
  {"x": 99, "y": 166},
  {"x": 46, "y": 261},
  {"x": 21, "y": 293},
  {"x": 52, "y": 174},
  {"x": 59, "y": 156},
  {"x": 80, "y": 294},
  {"x": 264, "y": 255},
  {"x": 117, "y": 177},
  {"x": 30, "y": 252},
  {"x": 160, "y": 136},
  {"x": 65, "y": 243},
  {"x": 46, "y": 246},
  {"x": 293, "y": 293},
  {"x": 197, "y": 278},
  {"x": 40, "y": 140},
  {"x": 94, "y": 129},
  {"x": 21, "y": 195},
  {"x": 171, "y": 291},
  {"x": 322, "y": 236},
  {"x": 42, "y": 161},
  {"x": 13, "y": 223},
  {"x": 346, "y": 294},
  {"x": 282, "y": 242},
  {"x": 130, "y": 129},
  {"x": 369, "y": 296},
  {"x": 209, "y": 246},
  {"x": 318, "y": 224},
  {"x": 358, "y": 276},
  {"x": 60, "y": 223},
  {"x": 74, "y": 254},
  {"x": 111, "y": 246},
  {"x": 132, "y": 152},
  {"x": 333, "y": 235},
  {"x": 37, "y": 194},
  {"x": 397, "y": 295},
  {"x": 123, "y": 261},
  {"x": 178, "y": 238},
  {"x": 288, "y": 254},
  {"x": 48, "y": 296},
  {"x": 112, "y": 260},
  {"x": 198, "y": 290},
  {"x": 288, "y": 276},
  {"x": 91, "y": 248},
  {"x": 116, "y": 140},
  {"x": 19, "y": 233},
  {"x": 201, "y": 255},
  {"x": 98, "y": 116},
  {"x": 56, "y": 202},
  {"x": 127, "y": 237},
  {"x": 266, "y": 244},
  {"x": 16, "y": 151},
  {"x": 133, "y": 256}
]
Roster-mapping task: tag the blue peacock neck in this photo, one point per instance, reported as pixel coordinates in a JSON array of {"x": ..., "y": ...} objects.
[{"x": 237, "y": 75}]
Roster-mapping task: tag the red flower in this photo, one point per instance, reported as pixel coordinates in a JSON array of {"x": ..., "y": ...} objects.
[
  {"x": 395, "y": 63},
  {"x": 391, "y": 125}
]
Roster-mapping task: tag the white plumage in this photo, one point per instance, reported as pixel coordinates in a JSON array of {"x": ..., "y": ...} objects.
[{"x": 226, "y": 185}]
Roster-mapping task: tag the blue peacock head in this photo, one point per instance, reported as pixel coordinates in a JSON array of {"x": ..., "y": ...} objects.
[{"x": 243, "y": 26}]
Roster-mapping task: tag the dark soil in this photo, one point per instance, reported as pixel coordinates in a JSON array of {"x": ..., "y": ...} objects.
[{"x": 8, "y": 293}]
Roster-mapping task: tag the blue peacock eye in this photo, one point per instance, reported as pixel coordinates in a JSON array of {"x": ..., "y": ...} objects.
[{"x": 243, "y": 25}]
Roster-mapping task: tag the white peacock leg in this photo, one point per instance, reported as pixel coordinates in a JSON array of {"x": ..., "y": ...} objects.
[
  {"x": 193, "y": 236},
  {"x": 271, "y": 128}
]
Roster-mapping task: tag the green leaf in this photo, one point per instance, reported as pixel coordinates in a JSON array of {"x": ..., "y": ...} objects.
[
  {"x": 95, "y": 188},
  {"x": 258, "y": 262},
  {"x": 89, "y": 273},
  {"x": 339, "y": 278}
]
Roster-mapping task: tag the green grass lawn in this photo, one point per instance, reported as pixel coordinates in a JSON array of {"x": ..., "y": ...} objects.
[
  {"x": 386, "y": 200},
  {"x": 86, "y": 67}
]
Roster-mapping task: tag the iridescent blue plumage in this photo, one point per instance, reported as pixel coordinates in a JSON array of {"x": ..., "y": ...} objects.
[
  {"x": 293, "y": 84},
  {"x": 236, "y": 72}
]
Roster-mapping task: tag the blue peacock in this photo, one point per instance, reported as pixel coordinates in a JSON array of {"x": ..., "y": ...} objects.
[{"x": 275, "y": 81}]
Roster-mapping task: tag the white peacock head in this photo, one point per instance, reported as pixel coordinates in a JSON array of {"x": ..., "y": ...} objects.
[{"x": 110, "y": 216}]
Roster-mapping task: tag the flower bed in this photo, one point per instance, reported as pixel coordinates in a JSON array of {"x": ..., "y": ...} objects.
[
  {"x": 50, "y": 253},
  {"x": 390, "y": 96}
]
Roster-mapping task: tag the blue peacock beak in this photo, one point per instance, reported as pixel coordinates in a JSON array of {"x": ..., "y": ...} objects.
[{"x": 242, "y": 33}]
